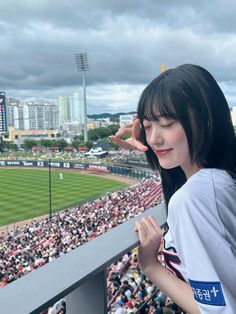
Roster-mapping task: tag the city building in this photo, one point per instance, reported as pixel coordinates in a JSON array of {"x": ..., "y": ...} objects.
[
  {"x": 99, "y": 123},
  {"x": 18, "y": 136},
  {"x": 126, "y": 119},
  {"x": 70, "y": 109},
  {"x": 32, "y": 116},
  {"x": 41, "y": 116},
  {"x": 70, "y": 129},
  {"x": 71, "y": 115},
  {"x": 63, "y": 109},
  {"x": 75, "y": 109},
  {"x": 15, "y": 114}
]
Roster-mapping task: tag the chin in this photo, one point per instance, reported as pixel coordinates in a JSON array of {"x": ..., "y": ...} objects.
[{"x": 168, "y": 165}]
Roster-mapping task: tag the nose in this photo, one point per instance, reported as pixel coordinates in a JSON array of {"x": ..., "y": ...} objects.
[{"x": 155, "y": 138}]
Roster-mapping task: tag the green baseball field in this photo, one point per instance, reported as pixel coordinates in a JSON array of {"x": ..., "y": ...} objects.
[{"x": 25, "y": 192}]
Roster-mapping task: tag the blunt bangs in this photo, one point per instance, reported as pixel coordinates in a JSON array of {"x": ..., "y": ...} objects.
[{"x": 155, "y": 102}]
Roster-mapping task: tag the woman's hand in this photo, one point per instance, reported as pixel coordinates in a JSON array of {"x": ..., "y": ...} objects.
[
  {"x": 179, "y": 291},
  {"x": 150, "y": 236},
  {"x": 132, "y": 130}
]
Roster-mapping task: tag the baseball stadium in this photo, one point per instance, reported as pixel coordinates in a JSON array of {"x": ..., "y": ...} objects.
[{"x": 52, "y": 208}]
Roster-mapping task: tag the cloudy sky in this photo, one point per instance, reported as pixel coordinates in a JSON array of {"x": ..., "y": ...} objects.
[{"x": 126, "y": 42}]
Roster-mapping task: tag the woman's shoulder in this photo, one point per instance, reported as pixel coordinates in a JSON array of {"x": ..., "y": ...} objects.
[
  {"x": 206, "y": 178},
  {"x": 205, "y": 186},
  {"x": 213, "y": 175}
]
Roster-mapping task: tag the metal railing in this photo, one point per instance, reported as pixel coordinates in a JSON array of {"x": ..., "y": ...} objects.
[{"x": 79, "y": 276}]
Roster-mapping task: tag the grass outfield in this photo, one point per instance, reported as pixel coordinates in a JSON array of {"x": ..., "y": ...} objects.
[{"x": 25, "y": 193}]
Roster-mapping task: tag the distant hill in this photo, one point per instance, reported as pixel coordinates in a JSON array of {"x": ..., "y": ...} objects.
[{"x": 114, "y": 116}]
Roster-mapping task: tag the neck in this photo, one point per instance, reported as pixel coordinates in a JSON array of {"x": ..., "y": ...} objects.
[{"x": 192, "y": 170}]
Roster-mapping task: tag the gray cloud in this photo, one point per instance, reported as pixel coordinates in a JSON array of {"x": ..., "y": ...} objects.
[{"x": 126, "y": 42}]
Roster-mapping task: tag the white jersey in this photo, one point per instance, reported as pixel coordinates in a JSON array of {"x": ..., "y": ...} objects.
[{"x": 200, "y": 245}]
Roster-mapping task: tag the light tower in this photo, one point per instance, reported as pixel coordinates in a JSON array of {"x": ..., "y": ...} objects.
[{"x": 82, "y": 66}]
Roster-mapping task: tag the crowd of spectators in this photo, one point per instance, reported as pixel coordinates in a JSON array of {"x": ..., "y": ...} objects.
[
  {"x": 113, "y": 157},
  {"x": 129, "y": 291},
  {"x": 123, "y": 155},
  {"x": 35, "y": 244}
]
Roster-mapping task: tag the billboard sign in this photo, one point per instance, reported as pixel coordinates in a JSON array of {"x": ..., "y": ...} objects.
[{"x": 3, "y": 113}]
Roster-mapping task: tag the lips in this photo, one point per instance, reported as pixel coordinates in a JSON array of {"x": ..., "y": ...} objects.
[{"x": 162, "y": 152}]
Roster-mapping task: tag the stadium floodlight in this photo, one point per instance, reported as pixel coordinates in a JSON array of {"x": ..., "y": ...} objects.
[{"x": 82, "y": 66}]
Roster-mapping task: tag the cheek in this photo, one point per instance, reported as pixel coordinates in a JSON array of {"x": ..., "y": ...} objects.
[
  {"x": 182, "y": 142},
  {"x": 147, "y": 135},
  {"x": 180, "y": 138}
]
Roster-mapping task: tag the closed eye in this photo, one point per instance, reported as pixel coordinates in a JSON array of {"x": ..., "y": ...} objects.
[{"x": 168, "y": 125}]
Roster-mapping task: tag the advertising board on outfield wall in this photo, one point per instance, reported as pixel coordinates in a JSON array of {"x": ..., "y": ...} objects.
[
  {"x": 127, "y": 171},
  {"x": 137, "y": 162},
  {"x": 34, "y": 163}
]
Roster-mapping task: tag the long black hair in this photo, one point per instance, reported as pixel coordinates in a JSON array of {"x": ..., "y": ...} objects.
[{"x": 191, "y": 95}]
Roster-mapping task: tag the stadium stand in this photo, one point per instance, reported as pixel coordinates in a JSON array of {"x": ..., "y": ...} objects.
[
  {"x": 35, "y": 244},
  {"x": 40, "y": 242}
]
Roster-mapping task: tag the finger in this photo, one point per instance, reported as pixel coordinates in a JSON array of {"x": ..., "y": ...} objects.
[
  {"x": 120, "y": 142},
  {"x": 142, "y": 231},
  {"x": 136, "y": 136},
  {"x": 150, "y": 227},
  {"x": 138, "y": 225},
  {"x": 124, "y": 144},
  {"x": 154, "y": 224},
  {"x": 145, "y": 225},
  {"x": 139, "y": 145},
  {"x": 124, "y": 130},
  {"x": 153, "y": 230},
  {"x": 136, "y": 130}
]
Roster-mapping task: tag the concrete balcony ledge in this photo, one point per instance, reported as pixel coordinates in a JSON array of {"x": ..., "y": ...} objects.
[{"x": 79, "y": 275}]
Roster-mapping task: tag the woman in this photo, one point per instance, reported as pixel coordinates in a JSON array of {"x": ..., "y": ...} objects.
[{"x": 184, "y": 127}]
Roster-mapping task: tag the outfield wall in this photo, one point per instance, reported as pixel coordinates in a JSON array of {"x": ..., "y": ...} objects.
[{"x": 128, "y": 171}]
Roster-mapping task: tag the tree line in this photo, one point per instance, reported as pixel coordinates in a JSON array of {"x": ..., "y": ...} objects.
[{"x": 78, "y": 141}]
